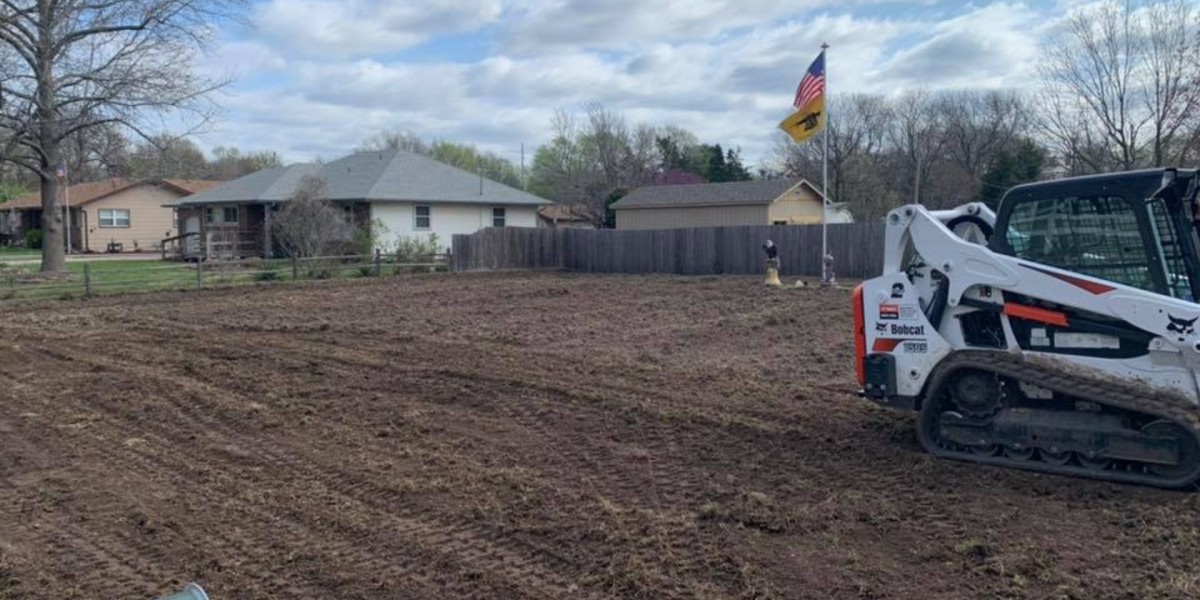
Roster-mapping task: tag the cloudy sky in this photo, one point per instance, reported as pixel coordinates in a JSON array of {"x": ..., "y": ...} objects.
[{"x": 316, "y": 77}]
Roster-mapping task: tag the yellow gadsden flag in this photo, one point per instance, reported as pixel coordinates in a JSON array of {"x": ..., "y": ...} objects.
[
  {"x": 809, "y": 118},
  {"x": 806, "y": 122}
]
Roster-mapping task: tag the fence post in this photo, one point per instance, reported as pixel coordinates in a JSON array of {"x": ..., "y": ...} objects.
[
  {"x": 378, "y": 263},
  {"x": 87, "y": 279},
  {"x": 199, "y": 273},
  {"x": 295, "y": 269}
]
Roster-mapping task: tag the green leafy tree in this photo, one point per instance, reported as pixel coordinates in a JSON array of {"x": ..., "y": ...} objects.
[{"x": 1023, "y": 163}]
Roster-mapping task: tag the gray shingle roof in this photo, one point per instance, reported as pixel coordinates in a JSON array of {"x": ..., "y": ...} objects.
[
  {"x": 707, "y": 194},
  {"x": 386, "y": 176}
]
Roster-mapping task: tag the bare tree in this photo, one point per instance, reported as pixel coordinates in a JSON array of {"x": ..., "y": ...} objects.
[
  {"x": 394, "y": 140},
  {"x": 67, "y": 66},
  {"x": 608, "y": 138},
  {"x": 1172, "y": 94},
  {"x": 856, "y": 137},
  {"x": 308, "y": 224},
  {"x": 978, "y": 124},
  {"x": 563, "y": 169},
  {"x": 1122, "y": 85},
  {"x": 919, "y": 138}
]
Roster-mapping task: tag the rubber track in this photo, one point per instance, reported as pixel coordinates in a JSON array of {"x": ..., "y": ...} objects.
[{"x": 1074, "y": 382}]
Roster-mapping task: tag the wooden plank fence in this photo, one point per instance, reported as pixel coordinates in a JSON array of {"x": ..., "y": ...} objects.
[{"x": 857, "y": 249}]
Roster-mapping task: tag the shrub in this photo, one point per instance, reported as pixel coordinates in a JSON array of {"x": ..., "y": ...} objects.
[
  {"x": 266, "y": 276},
  {"x": 414, "y": 249},
  {"x": 33, "y": 239},
  {"x": 366, "y": 271}
]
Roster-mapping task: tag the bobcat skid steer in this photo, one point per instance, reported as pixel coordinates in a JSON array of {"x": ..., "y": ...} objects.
[{"x": 1060, "y": 334}]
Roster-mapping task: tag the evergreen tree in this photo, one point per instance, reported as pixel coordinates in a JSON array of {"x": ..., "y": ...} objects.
[{"x": 1023, "y": 163}]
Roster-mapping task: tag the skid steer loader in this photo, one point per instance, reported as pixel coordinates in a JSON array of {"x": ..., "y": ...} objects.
[{"x": 1059, "y": 334}]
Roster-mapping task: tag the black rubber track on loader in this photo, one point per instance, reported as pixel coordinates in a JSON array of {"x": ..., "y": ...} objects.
[{"x": 1109, "y": 391}]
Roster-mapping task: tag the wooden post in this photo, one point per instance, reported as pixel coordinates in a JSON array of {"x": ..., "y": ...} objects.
[
  {"x": 378, "y": 263},
  {"x": 199, "y": 273},
  {"x": 87, "y": 279},
  {"x": 295, "y": 268}
]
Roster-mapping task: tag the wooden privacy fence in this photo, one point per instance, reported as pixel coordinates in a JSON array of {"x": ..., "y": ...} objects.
[{"x": 857, "y": 249}]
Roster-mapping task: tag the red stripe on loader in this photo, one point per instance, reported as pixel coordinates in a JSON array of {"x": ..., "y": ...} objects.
[{"x": 1033, "y": 313}]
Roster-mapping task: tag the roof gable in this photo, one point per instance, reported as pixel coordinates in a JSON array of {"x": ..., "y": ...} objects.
[
  {"x": 738, "y": 193},
  {"x": 87, "y": 192},
  {"x": 382, "y": 176}
]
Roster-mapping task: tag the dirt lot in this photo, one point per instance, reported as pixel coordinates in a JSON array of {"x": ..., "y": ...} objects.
[{"x": 517, "y": 436}]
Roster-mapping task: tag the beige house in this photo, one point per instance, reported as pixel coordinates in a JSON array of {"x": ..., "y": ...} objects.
[
  {"x": 763, "y": 202},
  {"x": 114, "y": 215}
]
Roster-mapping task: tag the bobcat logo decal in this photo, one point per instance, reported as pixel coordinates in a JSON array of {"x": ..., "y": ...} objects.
[{"x": 1181, "y": 326}]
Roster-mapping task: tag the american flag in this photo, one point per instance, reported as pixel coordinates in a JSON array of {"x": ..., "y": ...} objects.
[{"x": 813, "y": 84}]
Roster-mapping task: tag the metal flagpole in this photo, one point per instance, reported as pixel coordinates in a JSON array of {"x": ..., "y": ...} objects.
[{"x": 825, "y": 174}]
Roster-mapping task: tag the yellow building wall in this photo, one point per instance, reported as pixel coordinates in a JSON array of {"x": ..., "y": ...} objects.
[
  {"x": 683, "y": 217},
  {"x": 800, "y": 206},
  {"x": 149, "y": 221}
]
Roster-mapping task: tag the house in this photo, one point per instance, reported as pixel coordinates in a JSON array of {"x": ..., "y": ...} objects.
[
  {"x": 565, "y": 216},
  {"x": 397, "y": 194},
  {"x": 760, "y": 202},
  {"x": 110, "y": 215}
]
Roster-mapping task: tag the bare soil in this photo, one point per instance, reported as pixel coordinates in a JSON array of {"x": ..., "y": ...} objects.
[{"x": 517, "y": 436}]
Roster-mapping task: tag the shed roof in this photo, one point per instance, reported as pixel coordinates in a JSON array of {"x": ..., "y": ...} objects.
[
  {"x": 735, "y": 193},
  {"x": 378, "y": 176}
]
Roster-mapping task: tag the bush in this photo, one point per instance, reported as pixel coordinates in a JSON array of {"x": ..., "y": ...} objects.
[
  {"x": 266, "y": 276},
  {"x": 416, "y": 249},
  {"x": 33, "y": 239},
  {"x": 366, "y": 271}
]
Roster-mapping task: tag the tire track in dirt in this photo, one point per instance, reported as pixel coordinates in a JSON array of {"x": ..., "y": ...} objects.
[{"x": 457, "y": 540}]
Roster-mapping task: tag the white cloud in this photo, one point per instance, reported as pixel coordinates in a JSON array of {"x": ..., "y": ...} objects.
[
  {"x": 994, "y": 46},
  {"x": 725, "y": 71},
  {"x": 622, "y": 24},
  {"x": 350, "y": 28}
]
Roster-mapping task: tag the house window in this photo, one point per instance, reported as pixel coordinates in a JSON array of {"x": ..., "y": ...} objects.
[
  {"x": 230, "y": 214},
  {"x": 423, "y": 220},
  {"x": 497, "y": 217},
  {"x": 208, "y": 216},
  {"x": 114, "y": 217},
  {"x": 779, "y": 222},
  {"x": 348, "y": 214}
]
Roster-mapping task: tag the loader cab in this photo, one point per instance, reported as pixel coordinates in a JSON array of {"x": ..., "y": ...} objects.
[{"x": 1136, "y": 228}]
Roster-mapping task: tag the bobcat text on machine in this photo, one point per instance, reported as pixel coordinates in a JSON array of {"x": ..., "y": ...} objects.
[{"x": 1059, "y": 334}]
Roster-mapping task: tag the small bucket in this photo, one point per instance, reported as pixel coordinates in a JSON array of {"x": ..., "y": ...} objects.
[{"x": 193, "y": 591}]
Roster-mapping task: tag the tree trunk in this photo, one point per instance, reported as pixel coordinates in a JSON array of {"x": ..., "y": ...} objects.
[{"x": 53, "y": 241}]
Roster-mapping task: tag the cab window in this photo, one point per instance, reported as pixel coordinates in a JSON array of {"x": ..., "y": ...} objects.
[{"x": 1092, "y": 235}]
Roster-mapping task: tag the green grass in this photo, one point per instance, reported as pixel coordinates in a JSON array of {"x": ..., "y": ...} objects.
[
  {"x": 21, "y": 282},
  {"x": 6, "y": 252}
]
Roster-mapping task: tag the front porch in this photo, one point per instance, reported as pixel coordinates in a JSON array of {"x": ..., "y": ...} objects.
[
  {"x": 15, "y": 223},
  {"x": 239, "y": 231}
]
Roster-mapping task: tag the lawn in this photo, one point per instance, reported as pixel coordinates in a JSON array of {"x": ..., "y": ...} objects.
[
  {"x": 105, "y": 277},
  {"x": 8, "y": 253}
]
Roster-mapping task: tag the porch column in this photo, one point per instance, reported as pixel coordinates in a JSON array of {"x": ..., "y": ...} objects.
[{"x": 267, "y": 251}]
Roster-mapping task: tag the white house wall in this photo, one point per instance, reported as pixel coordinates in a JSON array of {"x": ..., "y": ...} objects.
[{"x": 445, "y": 220}]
